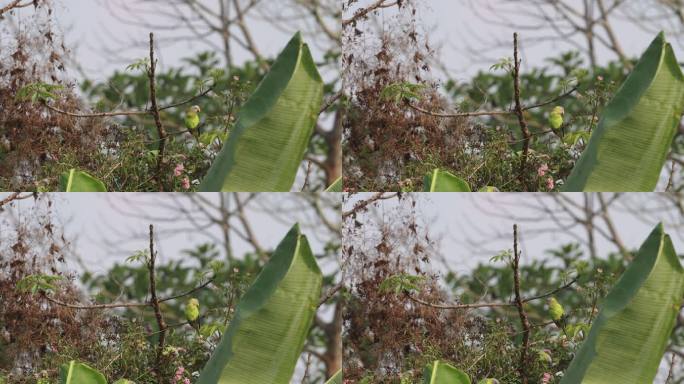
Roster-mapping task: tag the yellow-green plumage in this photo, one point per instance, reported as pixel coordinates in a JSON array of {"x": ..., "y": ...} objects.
[
  {"x": 192, "y": 120},
  {"x": 555, "y": 309},
  {"x": 556, "y": 117},
  {"x": 192, "y": 313}
]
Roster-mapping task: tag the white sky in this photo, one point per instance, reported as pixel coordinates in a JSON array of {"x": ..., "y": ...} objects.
[
  {"x": 472, "y": 227},
  {"x": 466, "y": 44}
]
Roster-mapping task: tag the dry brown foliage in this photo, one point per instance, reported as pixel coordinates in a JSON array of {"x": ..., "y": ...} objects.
[
  {"x": 387, "y": 336},
  {"x": 384, "y": 142},
  {"x": 31, "y": 243},
  {"x": 31, "y": 51}
]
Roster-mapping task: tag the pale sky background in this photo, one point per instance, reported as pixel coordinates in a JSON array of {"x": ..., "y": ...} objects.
[
  {"x": 466, "y": 44},
  {"x": 472, "y": 227},
  {"x": 104, "y": 234},
  {"x": 92, "y": 27}
]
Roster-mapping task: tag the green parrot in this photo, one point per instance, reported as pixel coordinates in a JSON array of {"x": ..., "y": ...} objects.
[
  {"x": 192, "y": 120},
  {"x": 556, "y": 119},
  {"x": 544, "y": 356},
  {"x": 192, "y": 313},
  {"x": 488, "y": 381},
  {"x": 557, "y": 313}
]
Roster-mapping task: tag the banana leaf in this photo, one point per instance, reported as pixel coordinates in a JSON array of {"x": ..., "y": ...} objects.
[
  {"x": 443, "y": 181},
  {"x": 629, "y": 147},
  {"x": 274, "y": 127},
  {"x": 266, "y": 336},
  {"x": 336, "y": 186},
  {"x": 79, "y": 181},
  {"x": 443, "y": 373},
  {"x": 630, "y": 334},
  {"x": 336, "y": 379},
  {"x": 78, "y": 373}
]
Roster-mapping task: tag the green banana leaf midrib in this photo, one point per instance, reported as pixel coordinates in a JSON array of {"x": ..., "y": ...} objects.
[
  {"x": 630, "y": 159},
  {"x": 263, "y": 342},
  {"x": 608, "y": 352}
]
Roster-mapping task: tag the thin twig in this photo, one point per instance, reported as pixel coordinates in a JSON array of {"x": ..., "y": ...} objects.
[
  {"x": 493, "y": 113},
  {"x": 669, "y": 372},
  {"x": 519, "y": 112},
  {"x": 16, "y": 196},
  {"x": 129, "y": 113},
  {"x": 154, "y": 110},
  {"x": 363, "y": 12},
  {"x": 329, "y": 103},
  {"x": 128, "y": 305},
  {"x": 522, "y": 368},
  {"x": 155, "y": 303},
  {"x": 364, "y": 203},
  {"x": 492, "y": 304},
  {"x": 306, "y": 176},
  {"x": 13, "y": 5},
  {"x": 331, "y": 292}
]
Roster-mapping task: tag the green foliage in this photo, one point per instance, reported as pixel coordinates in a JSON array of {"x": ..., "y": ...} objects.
[
  {"x": 401, "y": 283},
  {"x": 139, "y": 65},
  {"x": 637, "y": 127},
  {"x": 443, "y": 181},
  {"x": 38, "y": 283},
  {"x": 492, "y": 156},
  {"x": 404, "y": 91},
  {"x": 443, "y": 373},
  {"x": 504, "y": 64},
  {"x": 643, "y": 304},
  {"x": 38, "y": 92},
  {"x": 274, "y": 127},
  {"x": 78, "y": 373},
  {"x": 127, "y": 159},
  {"x": 265, "y": 338},
  {"x": 78, "y": 181}
]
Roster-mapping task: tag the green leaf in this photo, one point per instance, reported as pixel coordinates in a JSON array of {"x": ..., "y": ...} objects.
[
  {"x": 443, "y": 373},
  {"x": 78, "y": 373},
  {"x": 336, "y": 186},
  {"x": 79, "y": 181},
  {"x": 629, "y": 147},
  {"x": 124, "y": 381},
  {"x": 443, "y": 181},
  {"x": 274, "y": 127},
  {"x": 265, "y": 338},
  {"x": 336, "y": 379},
  {"x": 630, "y": 334}
]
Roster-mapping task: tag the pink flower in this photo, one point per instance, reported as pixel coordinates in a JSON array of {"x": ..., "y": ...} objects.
[
  {"x": 179, "y": 375},
  {"x": 186, "y": 381},
  {"x": 185, "y": 183},
  {"x": 546, "y": 378},
  {"x": 178, "y": 170},
  {"x": 542, "y": 170},
  {"x": 549, "y": 183}
]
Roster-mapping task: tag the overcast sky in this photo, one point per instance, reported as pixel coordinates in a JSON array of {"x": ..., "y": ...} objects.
[
  {"x": 466, "y": 43},
  {"x": 105, "y": 232},
  {"x": 472, "y": 227}
]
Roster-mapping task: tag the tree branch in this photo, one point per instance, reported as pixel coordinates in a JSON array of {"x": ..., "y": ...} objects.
[
  {"x": 155, "y": 301},
  {"x": 522, "y": 368},
  {"x": 154, "y": 110}
]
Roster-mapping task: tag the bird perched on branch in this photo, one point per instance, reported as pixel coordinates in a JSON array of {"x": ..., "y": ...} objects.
[
  {"x": 556, "y": 119},
  {"x": 557, "y": 313},
  {"x": 192, "y": 313},
  {"x": 192, "y": 120}
]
